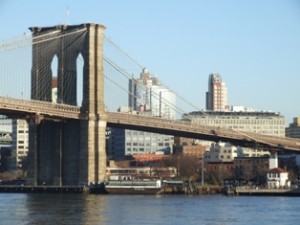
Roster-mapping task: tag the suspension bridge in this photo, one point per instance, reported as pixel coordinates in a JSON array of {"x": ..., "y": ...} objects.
[{"x": 67, "y": 129}]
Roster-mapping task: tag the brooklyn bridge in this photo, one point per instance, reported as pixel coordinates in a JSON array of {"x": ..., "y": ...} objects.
[{"x": 67, "y": 137}]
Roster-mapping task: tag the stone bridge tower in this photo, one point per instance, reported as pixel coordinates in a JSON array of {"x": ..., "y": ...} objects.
[{"x": 68, "y": 152}]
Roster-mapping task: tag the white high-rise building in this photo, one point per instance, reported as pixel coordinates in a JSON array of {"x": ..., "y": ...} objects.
[
  {"x": 147, "y": 97},
  {"x": 20, "y": 140},
  {"x": 216, "y": 97}
]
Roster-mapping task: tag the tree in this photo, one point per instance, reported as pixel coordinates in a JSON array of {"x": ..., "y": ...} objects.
[{"x": 186, "y": 166}]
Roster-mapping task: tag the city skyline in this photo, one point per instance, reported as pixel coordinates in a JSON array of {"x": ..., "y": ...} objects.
[{"x": 254, "y": 46}]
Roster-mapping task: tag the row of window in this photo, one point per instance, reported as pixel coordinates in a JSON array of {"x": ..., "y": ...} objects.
[
  {"x": 223, "y": 151},
  {"x": 218, "y": 157},
  {"x": 138, "y": 149},
  {"x": 22, "y": 152},
  {"x": 274, "y": 175},
  {"x": 237, "y": 121},
  {"x": 147, "y": 144},
  {"x": 23, "y": 131}
]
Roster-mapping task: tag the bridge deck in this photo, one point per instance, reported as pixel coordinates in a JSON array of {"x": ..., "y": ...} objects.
[{"x": 10, "y": 106}]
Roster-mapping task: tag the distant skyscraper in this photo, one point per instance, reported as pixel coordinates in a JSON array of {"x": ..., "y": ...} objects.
[{"x": 216, "y": 97}]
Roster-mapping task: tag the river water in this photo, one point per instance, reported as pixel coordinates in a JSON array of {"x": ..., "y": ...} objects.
[{"x": 145, "y": 210}]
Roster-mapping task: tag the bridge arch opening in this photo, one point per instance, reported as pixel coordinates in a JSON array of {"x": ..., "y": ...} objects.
[
  {"x": 79, "y": 83},
  {"x": 54, "y": 73}
]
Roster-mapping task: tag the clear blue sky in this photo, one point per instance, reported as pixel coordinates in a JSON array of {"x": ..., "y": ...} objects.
[{"x": 254, "y": 45}]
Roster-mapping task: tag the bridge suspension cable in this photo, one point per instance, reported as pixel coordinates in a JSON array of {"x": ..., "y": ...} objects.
[
  {"x": 26, "y": 40},
  {"x": 161, "y": 83},
  {"x": 32, "y": 44},
  {"x": 16, "y": 60},
  {"x": 123, "y": 72}
]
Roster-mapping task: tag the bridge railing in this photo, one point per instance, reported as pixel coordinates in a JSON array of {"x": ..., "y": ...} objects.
[
  {"x": 42, "y": 107},
  {"x": 188, "y": 126},
  {"x": 183, "y": 125},
  {"x": 73, "y": 112}
]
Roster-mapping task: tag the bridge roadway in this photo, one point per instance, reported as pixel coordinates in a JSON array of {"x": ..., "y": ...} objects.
[{"x": 21, "y": 108}]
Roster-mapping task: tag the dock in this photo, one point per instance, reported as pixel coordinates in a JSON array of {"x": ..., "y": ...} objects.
[
  {"x": 50, "y": 189},
  {"x": 262, "y": 192}
]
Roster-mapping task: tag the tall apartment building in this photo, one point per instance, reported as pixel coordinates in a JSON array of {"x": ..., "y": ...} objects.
[
  {"x": 267, "y": 123},
  {"x": 20, "y": 140},
  {"x": 216, "y": 96},
  {"x": 293, "y": 130},
  {"x": 147, "y": 97}
]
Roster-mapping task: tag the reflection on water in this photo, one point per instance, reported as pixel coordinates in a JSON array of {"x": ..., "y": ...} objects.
[
  {"x": 137, "y": 209},
  {"x": 65, "y": 209},
  {"x": 94, "y": 208}
]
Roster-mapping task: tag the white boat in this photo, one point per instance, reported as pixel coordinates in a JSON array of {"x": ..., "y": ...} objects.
[{"x": 127, "y": 185}]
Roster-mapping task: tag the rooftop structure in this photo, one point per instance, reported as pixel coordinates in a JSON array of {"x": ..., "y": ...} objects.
[{"x": 267, "y": 123}]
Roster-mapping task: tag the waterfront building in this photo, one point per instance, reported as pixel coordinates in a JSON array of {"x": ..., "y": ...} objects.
[
  {"x": 251, "y": 168},
  {"x": 130, "y": 142},
  {"x": 147, "y": 97},
  {"x": 278, "y": 178},
  {"x": 266, "y": 123},
  {"x": 20, "y": 140},
  {"x": 189, "y": 147},
  {"x": 293, "y": 130},
  {"x": 221, "y": 152},
  {"x": 196, "y": 151},
  {"x": 216, "y": 96},
  {"x": 225, "y": 152},
  {"x": 250, "y": 152}
]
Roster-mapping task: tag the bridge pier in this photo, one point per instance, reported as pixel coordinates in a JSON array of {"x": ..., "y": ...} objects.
[{"x": 93, "y": 152}]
